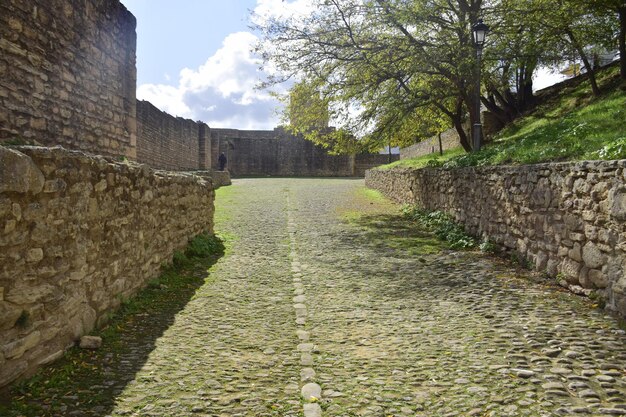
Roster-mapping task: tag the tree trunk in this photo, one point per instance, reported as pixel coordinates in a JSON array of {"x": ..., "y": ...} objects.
[
  {"x": 463, "y": 139},
  {"x": 590, "y": 72},
  {"x": 440, "y": 145},
  {"x": 622, "y": 42}
]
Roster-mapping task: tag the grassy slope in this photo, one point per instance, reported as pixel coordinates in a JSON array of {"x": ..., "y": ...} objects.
[{"x": 570, "y": 125}]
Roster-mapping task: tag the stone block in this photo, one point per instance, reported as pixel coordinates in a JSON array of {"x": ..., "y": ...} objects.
[
  {"x": 11, "y": 373},
  {"x": 54, "y": 186},
  {"x": 570, "y": 269},
  {"x": 34, "y": 255},
  {"x": 16, "y": 349},
  {"x": 593, "y": 256},
  {"x": 26, "y": 293},
  {"x": 576, "y": 252},
  {"x": 598, "y": 278},
  {"x": 9, "y": 313},
  {"x": 90, "y": 342},
  {"x": 617, "y": 204},
  {"x": 18, "y": 173},
  {"x": 52, "y": 357}
]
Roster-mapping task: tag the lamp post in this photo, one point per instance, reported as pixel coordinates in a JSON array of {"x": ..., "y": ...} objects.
[{"x": 479, "y": 30}]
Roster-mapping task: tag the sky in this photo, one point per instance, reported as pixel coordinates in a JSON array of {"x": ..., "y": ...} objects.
[{"x": 194, "y": 60}]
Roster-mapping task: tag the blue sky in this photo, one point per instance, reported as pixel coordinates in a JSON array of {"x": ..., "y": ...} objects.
[{"x": 174, "y": 35}]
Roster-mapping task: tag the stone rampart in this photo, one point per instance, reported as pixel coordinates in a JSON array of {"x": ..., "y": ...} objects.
[
  {"x": 168, "y": 142},
  {"x": 78, "y": 234},
  {"x": 569, "y": 219},
  {"x": 67, "y": 75},
  {"x": 278, "y": 153}
]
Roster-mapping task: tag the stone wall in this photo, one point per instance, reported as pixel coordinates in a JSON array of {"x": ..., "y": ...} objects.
[
  {"x": 168, "y": 142},
  {"x": 67, "y": 74},
  {"x": 449, "y": 140},
  {"x": 78, "y": 234},
  {"x": 278, "y": 153},
  {"x": 568, "y": 219}
]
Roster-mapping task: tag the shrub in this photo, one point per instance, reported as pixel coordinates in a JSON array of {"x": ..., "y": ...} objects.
[{"x": 444, "y": 227}]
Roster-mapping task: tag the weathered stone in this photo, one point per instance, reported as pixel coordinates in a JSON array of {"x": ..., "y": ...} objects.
[
  {"x": 312, "y": 410},
  {"x": 28, "y": 293},
  {"x": 34, "y": 255},
  {"x": 11, "y": 373},
  {"x": 617, "y": 202},
  {"x": 311, "y": 392},
  {"x": 18, "y": 173},
  {"x": 9, "y": 313},
  {"x": 90, "y": 342},
  {"x": 68, "y": 262},
  {"x": 54, "y": 186},
  {"x": 592, "y": 256},
  {"x": 16, "y": 349},
  {"x": 570, "y": 270},
  {"x": 598, "y": 278},
  {"x": 52, "y": 357}
]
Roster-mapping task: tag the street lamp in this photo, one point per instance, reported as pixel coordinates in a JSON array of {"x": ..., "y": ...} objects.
[{"x": 479, "y": 30}]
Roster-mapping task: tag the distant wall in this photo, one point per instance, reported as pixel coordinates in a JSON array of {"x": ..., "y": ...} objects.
[
  {"x": 566, "y": 218},
  {"x": 449, "y": 140},
  {"x": 168, "y": 142},
  {"x": 78, "y": 234},
  {"x": 275, "y": 152},
  {"x": 67, "y": 74}
]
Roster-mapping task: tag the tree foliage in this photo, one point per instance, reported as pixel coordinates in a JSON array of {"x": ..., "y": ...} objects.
[{"x": 398, "y": 71}]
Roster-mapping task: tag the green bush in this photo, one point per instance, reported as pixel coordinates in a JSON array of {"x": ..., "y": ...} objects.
[
  {"x": 442, "y": 225},
  {"x": 204, "y": 245}
]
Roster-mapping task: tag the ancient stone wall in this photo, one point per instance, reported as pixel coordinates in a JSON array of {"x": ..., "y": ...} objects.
[
  {"x": 78, "y": 234},
  {"x": 278, "y": 153},
  {"x": 168, "y": 142},
  {"x": 568, "y": 219},
  {"x": 449, "y": 140},
  {"x": 67, "y": 74},
  {"x": 363, "y": 162}
]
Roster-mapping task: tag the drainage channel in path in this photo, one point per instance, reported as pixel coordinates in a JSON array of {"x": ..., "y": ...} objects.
[{"x": 311, "y": 391}]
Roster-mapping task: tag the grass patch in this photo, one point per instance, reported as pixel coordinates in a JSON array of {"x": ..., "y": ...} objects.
[
  {"x": 433, "y": 159},
  {"x": 81, "y": 379}
]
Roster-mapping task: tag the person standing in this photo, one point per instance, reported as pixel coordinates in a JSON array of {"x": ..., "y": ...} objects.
[{"x": 222, "y": 160}]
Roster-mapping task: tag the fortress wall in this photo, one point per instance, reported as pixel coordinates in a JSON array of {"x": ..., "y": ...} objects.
[
  {"x": 67, "y": 75},
  {"x": 568, "y": 219},
  {"x": 79, "y": 234},
  {"x": 277, "y": 153},
  {"x": 168, "y": 142}
]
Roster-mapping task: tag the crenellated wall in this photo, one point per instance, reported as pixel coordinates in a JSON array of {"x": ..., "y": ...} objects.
[
  {"x": 568, "y": 219},
  {"x": 79, "y": 233},
  {"x": 68, "y": 76}
]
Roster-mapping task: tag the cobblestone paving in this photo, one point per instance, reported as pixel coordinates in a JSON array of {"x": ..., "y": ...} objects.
[{"x": 314, "y": 301}]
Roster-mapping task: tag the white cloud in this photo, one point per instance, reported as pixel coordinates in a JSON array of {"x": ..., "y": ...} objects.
[
  {"x": 221, "y": 92},
  {"x": 165, "y": 97},
  {"x": 266, "y": 9}
]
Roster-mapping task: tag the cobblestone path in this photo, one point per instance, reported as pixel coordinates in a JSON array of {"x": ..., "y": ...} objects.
[
  {"x": 327, "y": 303},
  {"x": 307, "y": 303}
]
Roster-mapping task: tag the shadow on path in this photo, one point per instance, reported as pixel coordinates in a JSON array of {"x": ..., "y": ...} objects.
[{"x": 88, "y": 382}]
